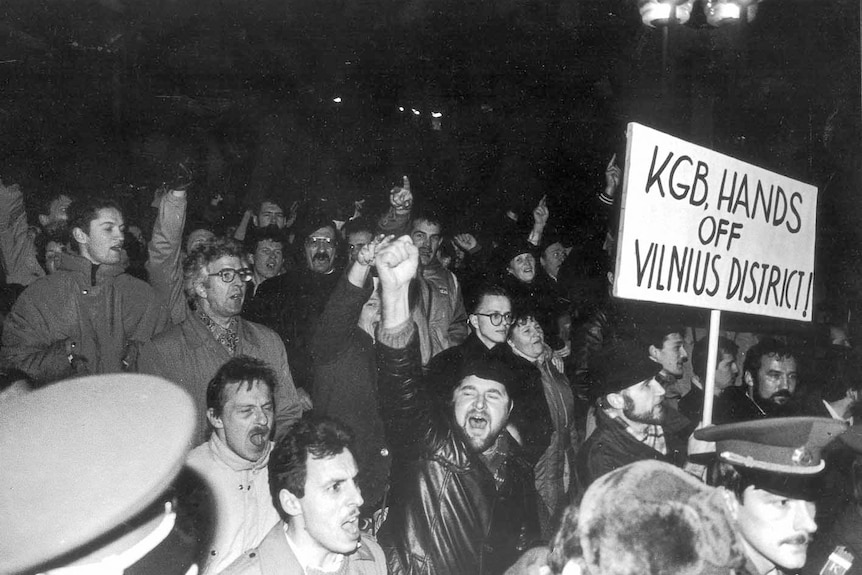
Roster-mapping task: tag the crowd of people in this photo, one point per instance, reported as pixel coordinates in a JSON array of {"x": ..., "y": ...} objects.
[{"x": 390, "y": 393}]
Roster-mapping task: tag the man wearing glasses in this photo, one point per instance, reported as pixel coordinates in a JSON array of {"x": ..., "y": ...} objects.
[
  {"x": 291, "y": 303},
  {"x": 190, "y": 353},
  {"x": 489, "y": 323}
]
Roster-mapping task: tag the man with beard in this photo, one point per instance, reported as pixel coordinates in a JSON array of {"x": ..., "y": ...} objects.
[
  {"x": 770, "y": 469},
  {"x": 771, "y": 379},
  {"x": 90, "y": 316},
  {"x": 312, "y": 480},
  {"x": 21, "y": 256},
  {"x": 191, "y": 352},
  {"x": 240, "y": 411},
  {"x": 444, "y": 322},
  {"x": 630, "y": 414},
  {"x": 291, "y": 303},
  {"x": 462, "y": 498}
]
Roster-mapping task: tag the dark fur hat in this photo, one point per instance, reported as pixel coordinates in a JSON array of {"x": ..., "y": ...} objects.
[{"x": 649, "y": 517}]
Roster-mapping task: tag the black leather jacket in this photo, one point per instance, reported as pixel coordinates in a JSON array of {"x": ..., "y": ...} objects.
[{"x": 448, "y": 514}]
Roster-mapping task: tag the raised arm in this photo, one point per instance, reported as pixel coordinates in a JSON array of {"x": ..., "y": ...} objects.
[
  {"x": 397, "y": 219},
  {"x": 17, "y": 249},
  {"x": 164, "y": 261},
  {"x": 338, "y": 322},
  {"x": 404, "y": 404}
]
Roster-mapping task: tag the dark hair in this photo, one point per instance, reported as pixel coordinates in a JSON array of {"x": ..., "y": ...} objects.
[
  {"x": 270, "y": 200},
  {"x": 656, "y": 334},
  {"x": 488, "y": 289},
  {"x": 238, "y": 370},
  {"x": 194, "y": 265},
  {"x": 356, "y": 226},
  {"x": 58, "y": 234},
  {"x": 700, "y": 353},
  {"x": 83, "y": 211},
  {"x": 312, "y": 436},
  {"x": 766, "y": 347},
  {"x": 44, "y": 207},
  {"x": 257, "y": 235},
  {"x": 427, "y": 216}
]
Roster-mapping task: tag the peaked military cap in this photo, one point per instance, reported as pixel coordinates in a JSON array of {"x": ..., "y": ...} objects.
[
  {"x": 787, "y": 445},
  {"x": 84, "y": 457}
]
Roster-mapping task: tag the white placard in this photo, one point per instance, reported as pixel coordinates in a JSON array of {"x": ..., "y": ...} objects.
[{"x": 702, "y": 229}]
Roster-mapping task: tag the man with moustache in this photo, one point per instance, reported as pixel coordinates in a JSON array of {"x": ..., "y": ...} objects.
[
  {"x": 191, "y": 352},
  {"x": 462, "y": 497},
  {"x": 312, "y": 480},
  {"x": 771, "y": 378},
  {"x": 291, "y": 303},
  {"x": 770, "y": 469},
  {"x": 90, "y": 316},
  {"x": 630, "y": 414},
  {"x": 241, "y": 414}
]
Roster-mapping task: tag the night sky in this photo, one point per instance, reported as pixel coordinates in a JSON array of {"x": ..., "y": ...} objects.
[{"x": 534, "y": 98}]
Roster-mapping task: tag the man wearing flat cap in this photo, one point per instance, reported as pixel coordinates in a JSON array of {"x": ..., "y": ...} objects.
[
  {"x": 630, "y": 414},
  {"x": 770, "y": 468},
  {"x": 463, "y": 498}
]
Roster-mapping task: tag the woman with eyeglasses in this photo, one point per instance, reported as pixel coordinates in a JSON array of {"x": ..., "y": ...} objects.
[{"x": 528, "y": 354}]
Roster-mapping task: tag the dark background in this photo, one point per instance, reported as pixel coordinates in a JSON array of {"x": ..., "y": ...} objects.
[{"x": 109, "y": 95}]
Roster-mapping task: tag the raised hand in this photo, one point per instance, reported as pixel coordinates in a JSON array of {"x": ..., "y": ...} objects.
[
  {"x": 396, "y": 261},
  {"x": 401, "y": 198},
  {"x": 466, "y": 242},
  {"x": 291, "y": 216},
  {"x": 365, "y": 257},
  {"x": 541, "y": 212},
  {"x": 613, "y": 177}
]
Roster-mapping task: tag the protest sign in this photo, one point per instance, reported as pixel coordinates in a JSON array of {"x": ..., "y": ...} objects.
[{"x": 702, "y": 229}]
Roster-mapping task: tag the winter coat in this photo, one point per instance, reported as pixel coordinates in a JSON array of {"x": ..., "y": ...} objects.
[
  {"x": 448, "y": 513},
  {"x": 610, "y": 447},
  {"x": 291, "y": 304},
  {"x": 243, "y": 516},
  {"x": 274, "y": 556},
  {"x": 190, "y": 356},
  {"x": 105, "y": 312},
  {"x": 345, "y": 385}
]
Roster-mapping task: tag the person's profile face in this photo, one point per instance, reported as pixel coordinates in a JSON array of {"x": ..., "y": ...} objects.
[
  {"x": 776, "y": 529},
  {"x": 672, "y": 355}
]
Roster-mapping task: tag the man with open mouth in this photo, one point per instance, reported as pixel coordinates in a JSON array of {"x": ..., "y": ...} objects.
[
  {"x": 241, "y": 414},
  {"x": 90, "y": 316},
  {"x": 462, "y": 498},
  {"x": 312, "y": 479}
]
